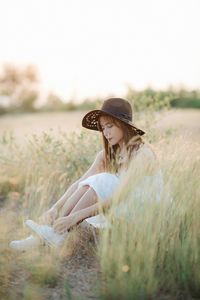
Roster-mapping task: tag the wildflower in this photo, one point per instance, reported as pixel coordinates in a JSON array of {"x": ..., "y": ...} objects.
[{"x": 125, "y": 268}]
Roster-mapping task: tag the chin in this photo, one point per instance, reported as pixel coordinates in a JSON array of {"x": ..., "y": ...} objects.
[{"x": 113, "y": 144}]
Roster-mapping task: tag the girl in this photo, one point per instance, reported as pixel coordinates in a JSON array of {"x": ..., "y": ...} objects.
[{"x": 122, "y": 143}]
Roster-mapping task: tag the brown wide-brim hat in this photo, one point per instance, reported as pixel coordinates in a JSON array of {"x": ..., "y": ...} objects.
[{"x": 118, "y": 108}]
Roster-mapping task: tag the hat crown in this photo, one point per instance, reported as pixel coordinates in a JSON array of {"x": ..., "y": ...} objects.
[
  {"x": 118, "y": 107},
  {"x": 115, "y": 107}
]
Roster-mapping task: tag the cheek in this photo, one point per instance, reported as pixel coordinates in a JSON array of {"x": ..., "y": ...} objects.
[
  {"x": 118, "y": 133},
  {"x": 121, "y": 133}
]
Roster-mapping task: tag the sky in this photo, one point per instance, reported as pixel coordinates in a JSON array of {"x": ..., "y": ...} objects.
[{"x": 89, "y": 48}]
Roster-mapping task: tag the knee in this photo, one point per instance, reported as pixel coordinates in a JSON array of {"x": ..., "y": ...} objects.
[
  {"x": 84, "y": 187},
  {"x": 92, "y": 192}
]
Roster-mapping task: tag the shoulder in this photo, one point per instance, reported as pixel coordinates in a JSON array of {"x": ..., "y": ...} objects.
[
  {"x": 146, "y": 151},
  {"x": 146, "y": 158}
]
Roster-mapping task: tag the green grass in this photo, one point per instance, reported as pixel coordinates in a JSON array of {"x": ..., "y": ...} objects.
[{"x": 186, "y": 103}]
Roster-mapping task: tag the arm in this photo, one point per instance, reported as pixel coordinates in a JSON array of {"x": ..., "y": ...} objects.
[
  {"x": 91, "y": 211},
  {"x": 61, "y": 225},
  {"x": 87, "y": 212}
]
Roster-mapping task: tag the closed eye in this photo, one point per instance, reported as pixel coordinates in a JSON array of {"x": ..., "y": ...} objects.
[{"x": 108, "y": 125}]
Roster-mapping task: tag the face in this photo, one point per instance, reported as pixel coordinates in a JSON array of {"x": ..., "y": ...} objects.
[{"x": 112, "y": 133}]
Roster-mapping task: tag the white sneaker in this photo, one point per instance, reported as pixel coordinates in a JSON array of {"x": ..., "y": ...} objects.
[
  {"x": 26, "y": 244},
  {"x": 46, "y": 232}
]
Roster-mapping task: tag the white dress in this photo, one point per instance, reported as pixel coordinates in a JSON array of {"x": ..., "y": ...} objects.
[{"x": 105, "y": 184}]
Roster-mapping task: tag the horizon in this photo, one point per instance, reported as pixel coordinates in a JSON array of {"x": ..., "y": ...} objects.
[{"x": 88, "y": 50}]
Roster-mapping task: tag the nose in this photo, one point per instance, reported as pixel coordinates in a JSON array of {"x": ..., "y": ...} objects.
[{"x": 106, "y": 132}]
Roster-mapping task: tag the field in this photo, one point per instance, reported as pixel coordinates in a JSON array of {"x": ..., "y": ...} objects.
[
  {"x": 42, "y": 154},
  {"x": 185, "y": 120}
]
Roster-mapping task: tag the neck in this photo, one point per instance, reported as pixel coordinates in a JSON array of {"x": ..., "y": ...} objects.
[
  {"x": 123, "y": 149},
  {"x": 121, "y": 145}
]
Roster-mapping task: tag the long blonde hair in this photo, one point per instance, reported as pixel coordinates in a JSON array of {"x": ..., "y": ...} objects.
[{"x": 132, "y": 142}]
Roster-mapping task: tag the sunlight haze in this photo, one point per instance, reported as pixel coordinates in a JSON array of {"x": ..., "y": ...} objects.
[{"x": 96, "y": 48}]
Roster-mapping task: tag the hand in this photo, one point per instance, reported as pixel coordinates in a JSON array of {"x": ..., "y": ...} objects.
[
  {"x": 61, "y": 225},
  {"x": 49, "y": 216}
]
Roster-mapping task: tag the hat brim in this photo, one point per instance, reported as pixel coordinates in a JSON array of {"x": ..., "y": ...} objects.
[{"x": 90, "y": 120}]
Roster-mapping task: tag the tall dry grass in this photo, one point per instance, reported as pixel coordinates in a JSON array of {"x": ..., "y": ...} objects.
[
  {"x": 32, "y": 177},
  {"x": 153, "y": 248}
]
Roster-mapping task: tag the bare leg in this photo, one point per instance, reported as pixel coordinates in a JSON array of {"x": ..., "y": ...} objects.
[
  {"x": 73, "y": 200},
  {"x": 86, "y": 207},
  {"x": 88, "y": 199}
]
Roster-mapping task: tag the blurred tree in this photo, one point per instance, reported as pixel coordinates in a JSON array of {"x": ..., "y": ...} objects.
[
  {"x": 53, "y": 103},
  {"x": 20, "y": 85},
  {"x": 148, "y": 100}
]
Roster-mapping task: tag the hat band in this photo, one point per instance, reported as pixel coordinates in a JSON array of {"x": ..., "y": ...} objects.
[
  {"x": 124, "y": 116},
  {"x": 119, "y": 115}
]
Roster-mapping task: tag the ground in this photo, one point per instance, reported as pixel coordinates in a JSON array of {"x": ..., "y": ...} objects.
[{"x": 186, "y": 120}]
